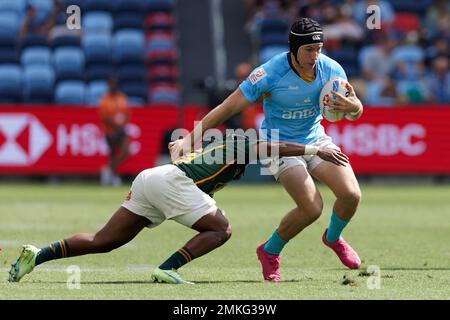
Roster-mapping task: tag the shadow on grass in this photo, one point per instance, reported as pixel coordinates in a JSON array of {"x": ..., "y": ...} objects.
[{"x": 151, "y": 282}]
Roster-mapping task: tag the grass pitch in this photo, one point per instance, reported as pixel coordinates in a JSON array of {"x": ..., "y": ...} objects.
[{"x": 404, "y": 231}]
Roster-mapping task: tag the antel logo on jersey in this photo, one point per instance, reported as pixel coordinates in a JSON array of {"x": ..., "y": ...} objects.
[{"x": 23, "y": 139}]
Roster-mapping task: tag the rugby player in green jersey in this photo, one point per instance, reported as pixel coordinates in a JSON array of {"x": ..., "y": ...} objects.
[{"x": 181, "y": 191}]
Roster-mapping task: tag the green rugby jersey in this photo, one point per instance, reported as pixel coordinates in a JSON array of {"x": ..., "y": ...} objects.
[{"x": 218, "y": 162}]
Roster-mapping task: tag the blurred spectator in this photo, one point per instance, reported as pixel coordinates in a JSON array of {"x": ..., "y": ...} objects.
[
  {"x": 375, "y": 60},
  {"x": 409, "y": 59},
  {"x": 437, "y": 20},
  {"x": 340, "y": 26},
  {"x": 115, "y": 115},
  {"x": 440, "y": 47},
  {"x": 438, "y": 81},
  {"x": 382, "y": 92},
  {"x": 33, "y": 24}
]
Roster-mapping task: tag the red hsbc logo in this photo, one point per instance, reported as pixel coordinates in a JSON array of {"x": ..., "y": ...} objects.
[{"x": 23, "y": 139}]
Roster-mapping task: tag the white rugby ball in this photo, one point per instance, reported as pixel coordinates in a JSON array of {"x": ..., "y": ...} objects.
[{"x": 337, "y": 85}]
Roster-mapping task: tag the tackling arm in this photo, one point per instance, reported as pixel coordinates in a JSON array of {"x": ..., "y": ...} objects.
[{"x": 292, "y": 149}]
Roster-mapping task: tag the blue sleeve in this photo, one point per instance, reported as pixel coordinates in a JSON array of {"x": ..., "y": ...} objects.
[{"x": 255, "y": 85}]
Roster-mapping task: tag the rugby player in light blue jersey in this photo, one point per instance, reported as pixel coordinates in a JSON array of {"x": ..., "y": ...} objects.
[{"x": 290, "y": 84}]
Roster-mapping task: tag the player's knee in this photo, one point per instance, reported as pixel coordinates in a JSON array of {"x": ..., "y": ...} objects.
[
  {"x": 352, "y": 197},
  {"x": 224, "y": 232},
  {"x": 313, "y": 211}
]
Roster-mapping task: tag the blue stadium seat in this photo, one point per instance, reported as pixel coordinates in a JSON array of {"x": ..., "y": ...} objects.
[
  {"x": 134, "y": 72},
  {"x": 98, "y": 5},
  {"x": 130, "y": 6},
  {"x": 97, "y": 22},
  {"x": 38, "y": 83},
  {"x": 10, "y": 83},
  {"x": 128, "y": 21},
  {"x": 67, "y": 3},
  {"x": 66, "y": 40},
  {"x": 8, "y": 55},
  {"x": 128, "y": 46},
  {"x": 70, "y": 92},
  {"x": 31, "y": 40},
  {"x": 163, "y": 73},
  {"x": 164, "y": 95},
  {"x": 159, "y": 6},
  {"x": 95, "y": 91},
  {"x": 14, "y": 6},
  {"x": 99, "y": 72},
  {"x": 35, "y": 55},
  {"x": 135, "y": 89},
  {"x": 9, "y": 27},
  {"x": 69, "y": 63},
  {"x": 97, "y": 48}
]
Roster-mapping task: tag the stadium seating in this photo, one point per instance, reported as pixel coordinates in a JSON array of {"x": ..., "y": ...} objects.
[
  {"x": 36, "y": 55},
  {"x": 128, "y": 46},
  {"x": 31, "y": 40},
  {"x": 95, "y": 91},
  {"x": 13, "y": 6},
  {"x": 128, "y": 20},
  {"x": 10, "y": 83},
  {"x": 38, "y": 83},
  {"x": 160, "y": 22},
  {"x": 8, "y": 55},
  {"x": 99, "y": 72},
  {"x": 69, "y": 63},
  {"x": 98, "y": 5},
  {"x": 70, "y": 92},
  {"x": 136, "y": 91},
  {"x": 96, "y": 22},
  {"x": 129, "y": 6},
  {"x": 44, "y": 8},
  {"x": 66, "y": 40},
  {"x": 9, "y": 27},
  {"x": 128, "y": 39},
  {"x": 97, "y": 48},
  {"x": 159, "y": 6},
  {"x": 132, "y": 72}
]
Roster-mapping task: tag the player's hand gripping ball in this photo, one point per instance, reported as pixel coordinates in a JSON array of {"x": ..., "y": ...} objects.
[{"x": 338, "y": 85}]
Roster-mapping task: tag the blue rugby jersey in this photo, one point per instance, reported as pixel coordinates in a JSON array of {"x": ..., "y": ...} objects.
[{"x": 290, "y": 103}]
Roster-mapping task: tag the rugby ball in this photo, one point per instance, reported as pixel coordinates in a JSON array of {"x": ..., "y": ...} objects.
[{"x": 337, "y": 85}]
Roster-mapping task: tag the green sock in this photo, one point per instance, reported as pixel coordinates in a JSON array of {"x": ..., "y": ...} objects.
[
  {"x": 56, "y": 250},
  {"x": 178, "y": 259},
  {"x": 336, "y": 226}
]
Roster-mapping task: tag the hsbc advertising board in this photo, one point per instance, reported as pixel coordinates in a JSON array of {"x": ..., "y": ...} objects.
[
  {"x": 409, "y": 140},
  {"x": 69, "y": 140}
]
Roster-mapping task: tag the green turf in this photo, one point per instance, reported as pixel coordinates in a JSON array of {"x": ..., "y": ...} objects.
[{"x": 404, "y": 230}]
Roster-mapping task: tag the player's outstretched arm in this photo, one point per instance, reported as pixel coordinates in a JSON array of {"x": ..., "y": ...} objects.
[
  {"x": 233, "y": 104},
  {"x": 292, "y": 149}
]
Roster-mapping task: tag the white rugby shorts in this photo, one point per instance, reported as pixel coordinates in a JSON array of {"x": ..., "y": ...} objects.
[
  {"x": 164, "y": 193},
  {"x": 278, "y": 165}
]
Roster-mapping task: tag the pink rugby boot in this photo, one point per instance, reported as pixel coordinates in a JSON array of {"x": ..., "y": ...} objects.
[
  {"x": 270, "y": 264},
  {"x": 346, "y": 254}
]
